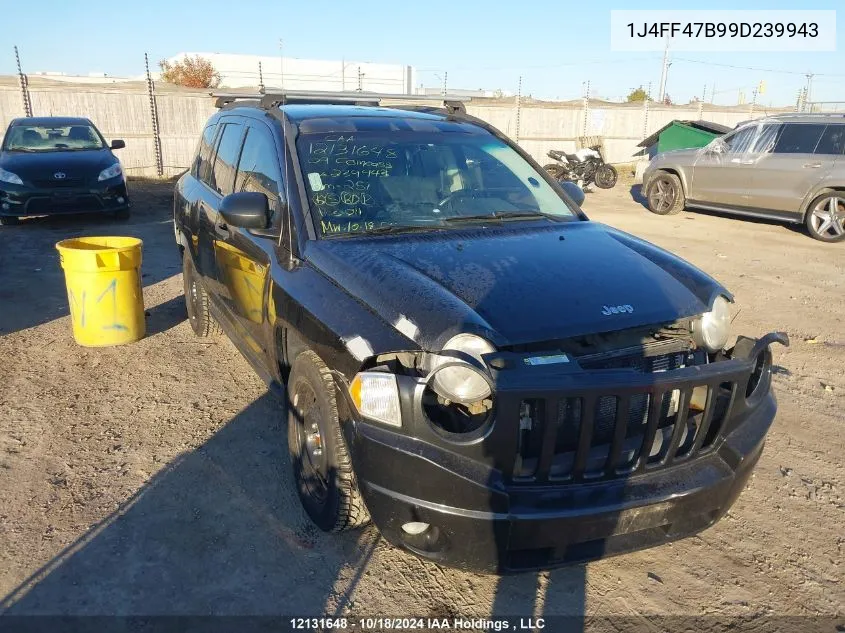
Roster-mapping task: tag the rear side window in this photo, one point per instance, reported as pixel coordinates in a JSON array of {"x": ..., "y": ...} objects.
[
  {"x": 201, "y": 162},
  {"x": 832, "y": 141},
  {"x": 740, "y": 141},
  {"x": 223, "y": 172},
  {"x": 799, "y": 138}
]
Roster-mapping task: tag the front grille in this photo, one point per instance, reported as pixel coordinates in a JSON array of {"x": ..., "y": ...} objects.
[
  {"x": 74, "y": 204},
  {"x": 606, "y": 435},
  {"x": 52, "y": 183}
]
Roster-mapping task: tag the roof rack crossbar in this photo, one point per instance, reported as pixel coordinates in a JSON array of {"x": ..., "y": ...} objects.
[{"x": 275, "y": 98}]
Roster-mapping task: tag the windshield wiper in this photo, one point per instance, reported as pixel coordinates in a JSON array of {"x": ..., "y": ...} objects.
[{"x": 501, "y": 216}]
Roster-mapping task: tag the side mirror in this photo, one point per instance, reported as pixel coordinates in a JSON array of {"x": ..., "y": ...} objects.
[
  {"x": 717, "y": 146},
  {"x": 574, "y": 191},
  {"x": 117, "y": 144},
  {"x": 246, "y": 209}
]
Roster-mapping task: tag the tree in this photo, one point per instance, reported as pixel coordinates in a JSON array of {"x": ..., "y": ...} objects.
[
  {"x": 637, "y": 94},
  {"x": 192, "y": 72}
]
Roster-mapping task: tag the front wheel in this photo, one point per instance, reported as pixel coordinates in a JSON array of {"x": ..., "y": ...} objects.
[
  {"x": 826, "y": 217},
  {"x": 606, "y": 177},
  {"x": 665, "y": 195},
  {"x": 322, "y": 468}
]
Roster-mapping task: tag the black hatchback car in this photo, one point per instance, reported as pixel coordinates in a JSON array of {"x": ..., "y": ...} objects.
[
  {"x": 496, "y": 382},
  {"x": 57, "y": 165}
]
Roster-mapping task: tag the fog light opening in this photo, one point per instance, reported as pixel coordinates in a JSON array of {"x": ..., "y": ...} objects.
[
  {"x": 423, "y": 539},
  {"x": 760, "y": 376},
  {"x": 415, "y": 527}
]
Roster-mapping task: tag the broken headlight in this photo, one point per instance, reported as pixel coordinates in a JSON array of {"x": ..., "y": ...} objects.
[
  {"x": 711, "y": 329},
  {"x": 455, "y": 379}
]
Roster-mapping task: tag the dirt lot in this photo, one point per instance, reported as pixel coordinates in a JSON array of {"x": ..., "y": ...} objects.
[{"x": 153, "y": 478}]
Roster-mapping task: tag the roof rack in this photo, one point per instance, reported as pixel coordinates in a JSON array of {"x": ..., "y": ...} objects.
[
  {"x": 276, "y": 98},
  {"x": 790, "y": 115}
]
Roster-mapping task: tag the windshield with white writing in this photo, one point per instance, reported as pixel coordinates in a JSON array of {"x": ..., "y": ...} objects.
[{"x": 376, "y": 181}]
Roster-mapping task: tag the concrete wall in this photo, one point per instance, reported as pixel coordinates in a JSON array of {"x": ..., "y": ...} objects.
[
  {"x": 124, "y": 112},
  {"x": 240, "y": 71}
]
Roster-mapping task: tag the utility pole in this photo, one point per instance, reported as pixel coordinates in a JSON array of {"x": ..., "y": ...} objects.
[
  {"x": 664, "y": 71},
  {"x": 518, "y": 105},
  {"x": 281, "y": 63},
  {"x": 360, "y": 80},
  {"x": 809, "y": 90},
  {"x": 260, "y": 78},
  {"x": 713, "y": 93},
  {"x": 343, "y": 75},
  {"x": 445, "y": 76}
]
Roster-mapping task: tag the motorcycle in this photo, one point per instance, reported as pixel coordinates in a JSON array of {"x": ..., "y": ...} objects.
[{"x": 584, "y": 167}]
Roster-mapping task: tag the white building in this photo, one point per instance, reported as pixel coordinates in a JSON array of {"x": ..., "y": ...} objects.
[{"x": 242, "y": 71}]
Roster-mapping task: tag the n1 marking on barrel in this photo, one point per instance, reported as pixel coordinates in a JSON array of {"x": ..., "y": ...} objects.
[
  {"x": 114, "y": 325},
  {"x": 76, "y": 305}
]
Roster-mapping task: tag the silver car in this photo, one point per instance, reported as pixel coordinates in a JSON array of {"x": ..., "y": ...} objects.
[{"x": 787, "y": 167}]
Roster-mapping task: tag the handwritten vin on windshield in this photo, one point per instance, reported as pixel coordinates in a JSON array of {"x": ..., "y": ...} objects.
[{"x": 343, "y": 174}]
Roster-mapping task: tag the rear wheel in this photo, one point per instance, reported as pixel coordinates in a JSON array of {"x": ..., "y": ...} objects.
[
  {"x": 196, "y": 301},
  {"x": 556, "y": 171},
  {"x": 606, "y": 177},
  {"x": 8, "y": 220},
  {"x": 826, "y": 217},
  {"x": 322, "y": 468},
  {"x": 665, "y": 195}
]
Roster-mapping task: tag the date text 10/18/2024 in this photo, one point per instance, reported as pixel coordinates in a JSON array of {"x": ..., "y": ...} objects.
[{"x": 418, "y": 624}]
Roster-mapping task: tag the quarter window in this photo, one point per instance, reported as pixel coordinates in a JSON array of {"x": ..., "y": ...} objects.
[
  {"x": 223, "y": 173},
  {"x": 832, "y": 141},
  {"x": 799, "y": 138}
]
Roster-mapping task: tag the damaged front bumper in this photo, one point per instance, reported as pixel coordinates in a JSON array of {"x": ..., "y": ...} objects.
[{"x": 572, "y": 465}]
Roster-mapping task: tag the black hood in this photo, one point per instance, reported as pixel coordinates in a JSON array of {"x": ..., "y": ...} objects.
[
  {"x": 83, "y": 164},
  {"x": 515, "y": 285}
]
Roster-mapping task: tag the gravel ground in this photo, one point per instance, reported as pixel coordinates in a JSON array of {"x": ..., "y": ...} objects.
[{"x": 153, "y": 478}]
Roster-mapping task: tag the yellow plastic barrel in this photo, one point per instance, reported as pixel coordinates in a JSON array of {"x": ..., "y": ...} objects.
[{"x": 103, "y": 279}]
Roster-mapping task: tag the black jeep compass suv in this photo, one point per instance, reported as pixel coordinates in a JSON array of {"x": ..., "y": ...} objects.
[{"x": 465, "y": 359}]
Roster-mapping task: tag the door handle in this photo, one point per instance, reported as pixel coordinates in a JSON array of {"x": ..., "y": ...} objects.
[{"x": 812, "y": 165}]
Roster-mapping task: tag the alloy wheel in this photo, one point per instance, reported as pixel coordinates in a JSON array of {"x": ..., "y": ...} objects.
[
  {"x": 828, "y": 217},
  {"x": 662, "y": 195}
]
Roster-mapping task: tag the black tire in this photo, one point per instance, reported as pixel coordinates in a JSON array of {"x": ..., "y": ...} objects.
[
  {"x": 606, "y": 177},
  {"x": 322, "y": 468},
  {"x": 8, "y": 220},
  {"x": 665, "y": 195},
  {"x": 825, "y": 218},
  {"x": 122, "y": 214},
  {"x": 196, "y": 301},
  {"x": 555, "y": 171}
]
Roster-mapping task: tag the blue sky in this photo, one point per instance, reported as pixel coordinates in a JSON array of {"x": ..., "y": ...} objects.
[{"x": 554, "y": 46}]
